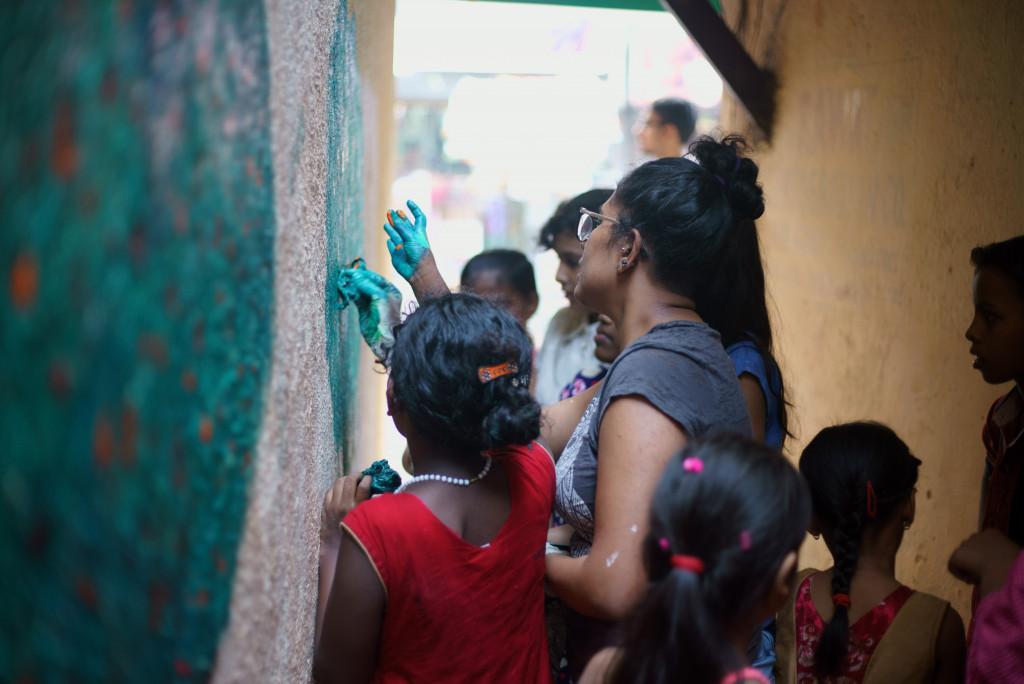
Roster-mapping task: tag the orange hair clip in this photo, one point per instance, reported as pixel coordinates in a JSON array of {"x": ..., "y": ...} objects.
[{"x": 488, "y": 373}]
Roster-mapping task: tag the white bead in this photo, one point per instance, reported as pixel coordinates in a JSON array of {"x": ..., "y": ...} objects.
[{"x": 448, "y": 479}]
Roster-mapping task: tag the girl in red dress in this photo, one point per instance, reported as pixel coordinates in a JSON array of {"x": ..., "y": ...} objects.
[
  {"x": 855, "y": 622},
  {"x": 444, "y": 579}
]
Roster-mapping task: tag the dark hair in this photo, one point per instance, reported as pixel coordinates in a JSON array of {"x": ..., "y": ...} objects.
[
  {"x": 567, "y": 216},
  {"x": 686, "y": 212},
  {"x": 838, "y": 464},
  {"x": 1007, "y": 256},
  {"x": 513, "y": 268},
  {"x": 435, "y": 359},
  {"x": 697, "y": 223},
  {"x": 741, "y": 515},
  {"x": 678, "y": 113}
]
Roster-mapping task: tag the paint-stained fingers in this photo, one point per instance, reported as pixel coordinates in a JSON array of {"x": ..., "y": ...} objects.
[
  {"x": 395, "y": 237},
  {"x": 421, "y": 219}
]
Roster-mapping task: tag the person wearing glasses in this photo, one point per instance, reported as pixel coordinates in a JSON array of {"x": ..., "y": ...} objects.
[{"x": 652, "y": 259}]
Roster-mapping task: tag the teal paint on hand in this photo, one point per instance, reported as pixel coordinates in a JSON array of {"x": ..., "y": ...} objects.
[
  {"x": 135, "y": 182},
  {"x": 344, "y": 228},
  {"x": 407, "y": 242},
  {"x": 384, "y": 479},
  {"x": 379, "y": 304}
]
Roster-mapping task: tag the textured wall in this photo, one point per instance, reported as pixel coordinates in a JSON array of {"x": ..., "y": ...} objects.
[
  {"x": 137, "y": 250},
  {"x": 179, "y": 184},
  {"x": 897, "y": 148},
  {"x": 327, "y": 164}
]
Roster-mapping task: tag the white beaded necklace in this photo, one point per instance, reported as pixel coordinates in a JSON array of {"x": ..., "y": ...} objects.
[{"x": 460, "y": 481}]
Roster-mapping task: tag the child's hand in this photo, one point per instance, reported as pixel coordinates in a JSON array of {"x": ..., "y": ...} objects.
[
  {"x": 407, "y": 242},
  {"x": 347, "y": 493},
  {"x": 985, "y": 558},
  {"x": 379, "y": 304}
]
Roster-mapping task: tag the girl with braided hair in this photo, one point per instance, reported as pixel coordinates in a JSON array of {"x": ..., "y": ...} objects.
[{"x": 855, "y": 622}]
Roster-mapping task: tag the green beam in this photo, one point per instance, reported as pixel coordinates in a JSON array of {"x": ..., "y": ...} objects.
[{"x": 648, "y": 5}]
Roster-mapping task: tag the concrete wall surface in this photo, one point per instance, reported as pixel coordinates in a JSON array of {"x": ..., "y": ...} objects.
[
  {"x": 331, "y": 94},
  {"x": 180, "y": 184},
  {"x": 897, "y": 148}
]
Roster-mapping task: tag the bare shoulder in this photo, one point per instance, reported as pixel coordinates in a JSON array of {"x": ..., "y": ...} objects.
[{"x": 599, "y": 667}]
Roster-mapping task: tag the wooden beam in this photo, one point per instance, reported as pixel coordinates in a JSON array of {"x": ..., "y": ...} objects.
[{"x": 753, "y": 87}]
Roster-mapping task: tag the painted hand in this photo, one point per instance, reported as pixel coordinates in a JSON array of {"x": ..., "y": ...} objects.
[
  {"x": 347, "y": 493},
  {"x": 407, "y": 242},
  {"x": 379, "y": 304}
]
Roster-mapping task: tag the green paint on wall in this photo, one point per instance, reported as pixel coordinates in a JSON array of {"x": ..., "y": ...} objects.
[
  {"x": 136, "y": 255},
  {"x": 344, "y": 227}
]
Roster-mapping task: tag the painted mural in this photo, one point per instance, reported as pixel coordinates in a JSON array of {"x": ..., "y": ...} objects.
[
  {"x": 136, "y": 250},
  {"x": 344, "y": 219}
]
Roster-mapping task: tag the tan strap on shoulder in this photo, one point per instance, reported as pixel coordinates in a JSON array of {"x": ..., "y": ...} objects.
[
  {"x": 785, "y": 634},
  {"x": 906, "y": 654}
]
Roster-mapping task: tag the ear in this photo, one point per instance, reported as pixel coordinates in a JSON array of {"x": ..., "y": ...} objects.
[
  {"x": 632, "y": 243},
  {"x": 783, "y": 584},
  {"x": 531, "y": 305},
  {"x": 910, "y": 507},
  {"x": 814, "y": 526}
]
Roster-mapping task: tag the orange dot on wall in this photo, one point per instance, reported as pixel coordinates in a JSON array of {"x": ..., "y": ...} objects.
[
  {"x": 205, "y": 429},
  {"x": 24, "y": 281},
  {"x": 64, "y": 155},
  {"x": 86, "y": 591},
  {"x": 104, "y": 441}
]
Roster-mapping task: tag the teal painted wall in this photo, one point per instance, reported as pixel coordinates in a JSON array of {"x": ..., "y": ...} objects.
[
  {"x": 136, "y": 252},
  {"x": 344, "y": 220}
]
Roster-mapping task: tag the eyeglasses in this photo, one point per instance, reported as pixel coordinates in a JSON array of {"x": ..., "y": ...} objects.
[{"x": 589, "y": 220}]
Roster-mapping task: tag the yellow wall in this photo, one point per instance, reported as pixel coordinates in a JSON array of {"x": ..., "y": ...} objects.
[{"x": 897, "y": 146}]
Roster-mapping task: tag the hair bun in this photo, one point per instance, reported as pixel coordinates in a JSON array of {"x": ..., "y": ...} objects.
[{"x": 727, "y": 163}]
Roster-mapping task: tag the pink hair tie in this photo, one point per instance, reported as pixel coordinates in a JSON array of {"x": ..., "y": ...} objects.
[
  {"x": 663, "y": 543},
  {"x": 688, "y": 563},
  {"x": 745, "y": 540},
  {"x": 693, "y": 465}
]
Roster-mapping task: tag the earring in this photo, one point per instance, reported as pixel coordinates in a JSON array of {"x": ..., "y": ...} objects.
[
  {"x": 624, "y": 262},
  {"x": 816, "y": 536},
  {"x": 906, "y": 525}
]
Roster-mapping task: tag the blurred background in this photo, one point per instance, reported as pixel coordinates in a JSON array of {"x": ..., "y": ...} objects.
[{"x": 515, "y": 108}]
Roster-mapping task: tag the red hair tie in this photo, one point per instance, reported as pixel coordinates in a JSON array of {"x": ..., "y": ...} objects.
[
  {"x": 872, "y": 501},
  {"x": 688, "y": 563},
  {"x": 841, "y": 600}
]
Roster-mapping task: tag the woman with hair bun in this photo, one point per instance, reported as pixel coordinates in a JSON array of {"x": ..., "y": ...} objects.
[
  {"x": 655, "y": 260},
  {"x": 444, "y": 579}
]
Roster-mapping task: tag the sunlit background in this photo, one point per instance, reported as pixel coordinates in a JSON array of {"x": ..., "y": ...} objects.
[{"x": 503, "y": 110}]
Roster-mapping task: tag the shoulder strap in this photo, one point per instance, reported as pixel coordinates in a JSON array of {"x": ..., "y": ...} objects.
[
  {"x": 785, "y": 634},
  {"x": 906, "y": 652}
]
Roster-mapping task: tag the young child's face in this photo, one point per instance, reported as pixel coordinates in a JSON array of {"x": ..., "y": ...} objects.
[
  {"x": 997, "y": 331},
  {"x": 489, "y": 286}
]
